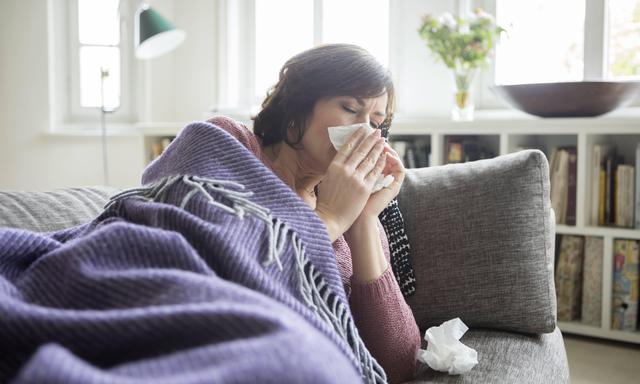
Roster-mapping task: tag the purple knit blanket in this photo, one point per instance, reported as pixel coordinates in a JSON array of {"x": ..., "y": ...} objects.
[{"x": 213, "y": 271}]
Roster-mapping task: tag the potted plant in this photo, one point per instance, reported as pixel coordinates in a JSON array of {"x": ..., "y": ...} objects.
[{"x": 463, "y": 45}]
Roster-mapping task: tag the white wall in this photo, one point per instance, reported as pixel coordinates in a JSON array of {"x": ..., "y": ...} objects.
[
  {"x": 181, "y": 89},
  {"x": 177, "y": 88},
  {"x": 29, "y": 159},
  {"x": 423, "y": 85},
  {"x": 181, "y": 86}
]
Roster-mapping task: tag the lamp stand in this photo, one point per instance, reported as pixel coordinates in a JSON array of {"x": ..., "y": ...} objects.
[{"x": 104, "y": 73}]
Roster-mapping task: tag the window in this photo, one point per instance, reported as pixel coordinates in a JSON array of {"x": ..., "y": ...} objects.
[
  {"x": 96, "y": 45},
  {"x": 624, "y": 39},
  {"x": 98, "y": 40},
  {"x": 277, "y": 40},
  {"x": 545, "y": 41},
  {"x": 258, "y": 36},
  {"x": 568, "y": 40},
  {"x": 361, "y": 22}
]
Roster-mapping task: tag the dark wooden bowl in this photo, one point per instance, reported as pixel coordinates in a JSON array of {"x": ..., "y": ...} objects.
[{"x": 569, "y": 99}]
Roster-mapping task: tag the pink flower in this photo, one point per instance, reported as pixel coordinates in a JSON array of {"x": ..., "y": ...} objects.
[{"x": 481, "y": 14}]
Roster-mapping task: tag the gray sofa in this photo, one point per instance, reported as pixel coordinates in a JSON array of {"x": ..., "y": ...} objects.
[{"x": 482, "y": 240}]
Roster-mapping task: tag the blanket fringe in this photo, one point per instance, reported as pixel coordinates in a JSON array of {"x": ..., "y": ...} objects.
[
  {"x": 234, "y": 192},
  {"x": 313, "y": 288},
  {"x": 320, "y": 298}
]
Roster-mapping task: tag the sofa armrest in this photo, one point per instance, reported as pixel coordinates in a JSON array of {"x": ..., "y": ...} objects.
[
  {"x": 482, "y": 243},
  {"x": 52, "y": 210}
]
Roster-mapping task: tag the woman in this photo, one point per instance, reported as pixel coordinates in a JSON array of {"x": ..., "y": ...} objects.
[{"x": 327, "y": 86}]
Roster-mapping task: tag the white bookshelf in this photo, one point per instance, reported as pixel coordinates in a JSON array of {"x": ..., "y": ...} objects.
[
  {"x": 510, "y": 130},
  {"x": 506, "y": 130}
]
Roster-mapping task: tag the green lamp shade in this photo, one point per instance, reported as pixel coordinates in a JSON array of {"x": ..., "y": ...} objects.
[{"x": 155, "y": 34}]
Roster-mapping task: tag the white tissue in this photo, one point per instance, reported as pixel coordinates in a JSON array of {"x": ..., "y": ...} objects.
[
  {"x": 445, "y": 352},
  {"x": 339, "y": 136}
]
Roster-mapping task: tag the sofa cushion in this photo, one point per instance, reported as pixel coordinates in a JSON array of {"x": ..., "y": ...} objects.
[
  {"x": 506, "y": 357},
  {"x": 52, "y": 210},
  {"x": 481, "y": 236}
]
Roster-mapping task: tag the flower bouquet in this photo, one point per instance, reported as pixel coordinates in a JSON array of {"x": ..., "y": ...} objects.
[{"x": 463, "y": 45}]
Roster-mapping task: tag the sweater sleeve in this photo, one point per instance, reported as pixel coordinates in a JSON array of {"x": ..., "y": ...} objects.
[{"x": 386, "y": 323}]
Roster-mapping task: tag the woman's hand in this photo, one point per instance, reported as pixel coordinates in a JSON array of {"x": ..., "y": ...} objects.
[
  {"x": 378, "y": 201},
  {"x": 347, "y": 185},
  {"x": 363, "y": 236}
]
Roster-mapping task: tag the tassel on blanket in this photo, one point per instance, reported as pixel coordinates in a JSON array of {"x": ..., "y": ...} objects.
[
  {"x": 232, "y": 191},
  {"x": 319, "y": 297},
  {"x": 314, "y": 290}
]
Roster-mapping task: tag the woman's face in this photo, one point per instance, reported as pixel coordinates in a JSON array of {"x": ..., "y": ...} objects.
[{"x": 335, "y": 111}]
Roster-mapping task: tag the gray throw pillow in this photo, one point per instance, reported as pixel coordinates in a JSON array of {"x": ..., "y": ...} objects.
[{"x": 482, "y": 241}]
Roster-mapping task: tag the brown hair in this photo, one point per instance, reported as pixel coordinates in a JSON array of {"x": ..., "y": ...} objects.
[{"x": 324, "y": 71}]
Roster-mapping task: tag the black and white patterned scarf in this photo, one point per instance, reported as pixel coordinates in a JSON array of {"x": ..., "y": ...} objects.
[{"x": 393, "y": 224}]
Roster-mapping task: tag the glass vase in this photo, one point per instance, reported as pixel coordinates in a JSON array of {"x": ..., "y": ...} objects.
[{"x": 463, "y": 106}]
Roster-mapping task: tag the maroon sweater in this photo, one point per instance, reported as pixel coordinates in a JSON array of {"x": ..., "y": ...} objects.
[{"x": 383, "y": 318}]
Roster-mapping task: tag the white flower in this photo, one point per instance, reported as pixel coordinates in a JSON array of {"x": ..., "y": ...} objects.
[
  {"x": 448, "y": 20},
  {"x": 471, "y": 17}
]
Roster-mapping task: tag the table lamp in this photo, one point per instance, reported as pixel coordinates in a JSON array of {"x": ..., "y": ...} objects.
[{"x": 154, "y": 35}]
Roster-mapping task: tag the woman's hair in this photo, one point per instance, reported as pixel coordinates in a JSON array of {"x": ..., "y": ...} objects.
[{"x": 324, "y": 71}]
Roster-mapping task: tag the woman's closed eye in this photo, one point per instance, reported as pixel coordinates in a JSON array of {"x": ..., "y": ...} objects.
[
  {"x": 353, "y": 111},
  {"x": 349, "y": 109}
]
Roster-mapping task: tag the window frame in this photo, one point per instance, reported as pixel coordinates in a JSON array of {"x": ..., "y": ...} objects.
[
  {"x": 595, "y": 54},
  {"x": 74, "y": 113},
  {"x": 232, "y": 34}
]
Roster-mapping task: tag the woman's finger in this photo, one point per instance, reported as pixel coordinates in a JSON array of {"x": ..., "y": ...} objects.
[
  {"x": 345, "y": 151},
  {"x": 394, "y": 164},
  {"x": 390, "y": 150},
  {"x": 371, "y": 160},
  {"x": 364, "y": 148},
  {"x": 375, "y": 173}
]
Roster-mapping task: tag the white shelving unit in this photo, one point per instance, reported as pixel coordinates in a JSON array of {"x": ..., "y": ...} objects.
[{"x": 505, "y": 131}]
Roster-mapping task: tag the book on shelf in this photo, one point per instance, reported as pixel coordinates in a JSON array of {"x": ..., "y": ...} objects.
[
  {"x": 159, "y": 145},
  {"x": 624, "y": 186},
  {"x": 422, "y": 157},
  {"x": 410, "y": 157},
  {"x": 615, "y": 194},
  {"x": 602, "y": 197},
  {"x": 568, "y": 278},
  {"x": 637, "y": 194},
  {"x": 461, "y": 149},
  {"x": 611, "y": 164},
  {"x": 592, "y": 281},
  {"x": 563, "y": 177},
  {"x": 400, "y": 147},
  {"x": 624, "y": 298},
  {"x": 414, "y": 154},
  {"x": 570, "y": 213},
  {"x": 600, "y": 151},
  {"x": 454, "y": 152}
]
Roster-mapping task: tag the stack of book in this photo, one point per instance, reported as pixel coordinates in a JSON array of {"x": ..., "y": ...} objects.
[
  {"x": 591, "y": 311},
  {"x": 461, "y": 149},
  {"x": 624, "y": 298},
  {"x": 159, "y": 145},
  {"x": 615, "y": 188},
  {"x": 568, "y": 277},
  {"x": 414, "y": 154},
  {"x": 563, "y": 172},
  {"x": 578, "y": 280}
]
